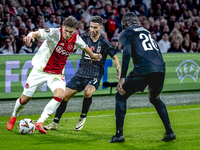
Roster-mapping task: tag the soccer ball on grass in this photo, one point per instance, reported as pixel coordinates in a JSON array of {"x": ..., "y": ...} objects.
[{"x": 26, "y": 126}]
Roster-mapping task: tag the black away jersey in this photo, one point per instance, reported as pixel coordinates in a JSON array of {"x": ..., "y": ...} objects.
[
  {"x": 92, "y": 69},
  {"x": 144, "y": 50}
]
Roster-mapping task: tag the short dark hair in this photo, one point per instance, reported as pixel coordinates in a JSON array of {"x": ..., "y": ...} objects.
[
  {"x": 70, "y": 22},
  {"x": 128, "y": 20},
  {"x": 97, "y": 19}
]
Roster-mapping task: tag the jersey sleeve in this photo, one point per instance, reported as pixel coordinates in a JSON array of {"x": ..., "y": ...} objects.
[
  {"x": 80, "y": 44},
  {"x": 126, "y": 46},
  {"x": 50, "y": 34},
  {"x": 124, "y": 40}
]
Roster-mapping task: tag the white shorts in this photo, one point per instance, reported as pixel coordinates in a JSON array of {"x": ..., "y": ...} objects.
[{"x": 37, "y": 78}]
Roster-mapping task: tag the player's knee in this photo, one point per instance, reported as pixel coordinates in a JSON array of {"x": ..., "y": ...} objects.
[
  {"x": 87, "y": 94},
  {"x": 24, "y": 99}
]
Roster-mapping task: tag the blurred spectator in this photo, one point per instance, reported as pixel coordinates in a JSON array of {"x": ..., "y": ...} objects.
[
  {"x": 90, "y": 13},
  {"x": 193, "y": 47},
  {"x": 129, "y": 4},
  {"x": 49, "y": 5},
  {"x": 83, "y": 19},
  {"x": 118, "y": 18},
  {"x": 104, "y": 34},
  {"x": 38, "y": 18},
  {"x": 164, "y": 43},
  {"x": 38, "y": 9},
  {"x": 75, "y": 12},
  {"x": 111, "y": 25},
  {"x": 42, "y": 24},
  {"x": 29, "y": 24},
  {"x": 175, "y": 47},
  {"x": 165, "y": 28},
  {"x": 20, "y": 42},
  {"x": 171, "y": 22},
  {"x": 39, "y": 43},
  {"x": 7, "y": 48},
  {"x": 5, "y": 32},
  {"x": 13, "y": 43},
  {"x": 24, "y": 17},
  {"x": 67, "y": 12},
  {"x": 19, "y": 23},
  {"x": 58, "y": 20},
  {"x": 115, "y": 7},
  {"x": 190, "y": 4},
  {"x": 28, "y": 4},
  {"x": 115, "y": 43},
  {"x": 97, "y": 11},
  {"x": 51, "y": 22},
  {"x": 80, "y": 29},
  {"x": 146, "y": 25},
  {"x": 107, "y": 8},
  {"x": 186, "y": 46},
  {"x": 22, "y": 30},
  {"x": 154, "y": 35},
  {"x": 186, "y": 36},
  {"x": 32, "y": 14},
  {"x": 1, "y": 12},
  {"x": 27, "y": 48},
  {"x": 105, "y": 20},
  {"x": 45, "y": 12},
  {"x": 12, "y": 9},
  {"x": 59, "y": 5},
  {"x": 156, "y": 29},
  {"x": 193, "y": 31},
  {"x": 22, "y": 8},
  {"x": 3, "y": 2}
]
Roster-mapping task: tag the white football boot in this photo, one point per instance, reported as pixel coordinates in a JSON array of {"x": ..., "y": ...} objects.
[
  {"x": 51, "y": 126},
  {"x": 80, "y": 124}
]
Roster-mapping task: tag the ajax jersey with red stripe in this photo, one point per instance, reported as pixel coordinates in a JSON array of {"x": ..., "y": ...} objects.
[{"x": 53, "y": 53}]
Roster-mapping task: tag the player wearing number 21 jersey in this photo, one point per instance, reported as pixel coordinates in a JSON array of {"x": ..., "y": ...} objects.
[{"x": 149, "y": 70}]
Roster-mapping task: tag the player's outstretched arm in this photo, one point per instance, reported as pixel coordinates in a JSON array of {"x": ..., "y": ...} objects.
[
  {"x": 31, "y": 36},
  {"x": 117, "y": 66},
  {"x": 91, "y": 54}
]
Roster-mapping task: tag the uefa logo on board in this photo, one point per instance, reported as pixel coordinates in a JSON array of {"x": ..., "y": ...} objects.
[{"x": 188, "y": 69}]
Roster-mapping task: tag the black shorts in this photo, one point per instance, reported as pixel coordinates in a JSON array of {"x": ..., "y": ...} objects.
[
  {"x": 138, "y": 82},
  {"x": 79, "y": 83}
]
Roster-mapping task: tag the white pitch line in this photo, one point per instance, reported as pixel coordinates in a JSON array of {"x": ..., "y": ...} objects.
[{"x": 152, "y": 112}]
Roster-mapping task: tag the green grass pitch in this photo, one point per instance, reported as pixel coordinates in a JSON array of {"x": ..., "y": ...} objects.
[{"x": 143, "y": 130}]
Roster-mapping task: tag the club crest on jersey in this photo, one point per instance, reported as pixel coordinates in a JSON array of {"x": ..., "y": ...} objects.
[
  {"x": 70, "y": 47},
  {"x": 188, "y": 68},
  {"x": 47, "y": 30},
  {"x": 92, "y": 48},
  {"x": 98, "y": 49}
]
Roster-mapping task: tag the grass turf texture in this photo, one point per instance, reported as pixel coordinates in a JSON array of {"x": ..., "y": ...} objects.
[{"x": 143, "y": 130}]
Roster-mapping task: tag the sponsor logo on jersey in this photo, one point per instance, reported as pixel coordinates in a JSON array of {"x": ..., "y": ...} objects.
[
  {"x": 188, "y": 69},
  {"x": 98, "y": 49},
  {"x": 47, "y": 30},
  {"x": 62, "y": 51}
]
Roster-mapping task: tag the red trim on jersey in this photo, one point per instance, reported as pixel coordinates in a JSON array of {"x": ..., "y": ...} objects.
[
  {"x": 57, "y": 99},
  {"x": 58, "y": 58}
]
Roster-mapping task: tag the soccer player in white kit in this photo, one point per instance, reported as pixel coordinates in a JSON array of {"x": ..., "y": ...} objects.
[{"x": 49, "y": 63}]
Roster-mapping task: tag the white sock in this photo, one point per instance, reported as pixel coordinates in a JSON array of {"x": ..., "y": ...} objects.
[
  {"x": 17, "y": 108},
  {"x": 49, "y": 109}
]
